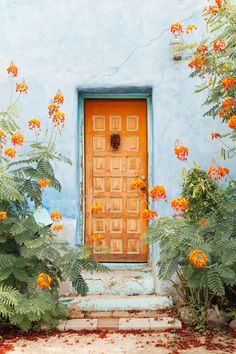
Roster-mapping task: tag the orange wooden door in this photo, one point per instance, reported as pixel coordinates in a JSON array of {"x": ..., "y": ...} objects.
[{"x": 108, "y": 175}]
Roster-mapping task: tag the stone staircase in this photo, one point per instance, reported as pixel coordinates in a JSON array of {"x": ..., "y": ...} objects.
[{"x": 123, "y": 298}]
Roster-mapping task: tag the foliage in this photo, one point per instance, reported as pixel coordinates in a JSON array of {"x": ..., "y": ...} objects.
[
  {"x": 198, "y": 245},
  {"x": 215, "y": 234},
  {"x": 203, "y": 193},
  {"x": 28, "y": 248},
  {"x": 213, "y": 60}
]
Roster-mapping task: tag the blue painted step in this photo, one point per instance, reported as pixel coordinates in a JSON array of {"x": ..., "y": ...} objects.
[{"x": 120, "y": 280}]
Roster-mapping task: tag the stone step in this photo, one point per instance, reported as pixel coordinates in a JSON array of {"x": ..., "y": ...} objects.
[
  {"x": 117, "y": 281},
  {"x": 114, "y": 303},
  {"x": 123, "y": 324},
  {"x": 75, "y": 313}
]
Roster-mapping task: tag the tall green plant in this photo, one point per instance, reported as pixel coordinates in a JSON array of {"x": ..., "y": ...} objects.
[
  {"x": 32, "y": 260},
  {"x": 213, "y": 60},
  {"x": 214, "y": 233}
]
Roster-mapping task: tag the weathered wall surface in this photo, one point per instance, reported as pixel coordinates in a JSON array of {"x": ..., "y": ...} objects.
[{"x": 69, "y": 44}]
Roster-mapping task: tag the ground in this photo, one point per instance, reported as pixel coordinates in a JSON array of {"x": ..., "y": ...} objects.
[{"x": 104, "y": 342}]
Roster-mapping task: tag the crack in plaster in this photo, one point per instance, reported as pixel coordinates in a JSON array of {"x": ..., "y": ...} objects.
[{"x": 141, "y": 46}]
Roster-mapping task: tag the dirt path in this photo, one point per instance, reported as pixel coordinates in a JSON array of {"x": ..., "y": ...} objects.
[{"x": 133, "y": 343}]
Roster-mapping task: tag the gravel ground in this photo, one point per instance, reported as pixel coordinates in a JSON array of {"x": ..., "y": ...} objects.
[{"x": 116, "y": 342}]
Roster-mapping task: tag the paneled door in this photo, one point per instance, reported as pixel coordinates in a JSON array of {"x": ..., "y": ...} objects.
[{"x": 114, "y": 232}]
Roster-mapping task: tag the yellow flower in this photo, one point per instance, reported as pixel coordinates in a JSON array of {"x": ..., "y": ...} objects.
[
  {"x": 34, "y": 123},
  {"x": 12, "y": 69},
  {"x": 98, "y": 237},
  {"x": 22, "y": 87},
  {"x": 56, "y": 215},
  {"x": 57, "y": 227},
  {"x": 10, "y": 152},
  {"x": 137, "y": 184},
  {"x": 58, "y": 97},
  {"x": 190, "y": 28},
  {"x": 3, "y": 215},
  {"x": 59, "y": 119},
  {"x": 176, "y": 28},
  {"x": 96, "y": 208}
]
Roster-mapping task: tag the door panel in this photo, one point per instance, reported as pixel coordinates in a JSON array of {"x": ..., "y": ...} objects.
[{"x": 108, "y": 175}]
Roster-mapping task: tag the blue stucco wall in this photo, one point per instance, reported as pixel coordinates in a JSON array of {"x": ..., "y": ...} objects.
[{"x": 71, "y": 44}]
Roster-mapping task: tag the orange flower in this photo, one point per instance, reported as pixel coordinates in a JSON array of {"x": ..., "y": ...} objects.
[
  {"x": 3, "y": 215},
  {"x": 3, "y": 139},
  {"x": 52, "y": 108},
  {"x": 58, "y": 97},
  {"x": 181, "y": 151},
  {"x": 45, "y": 182},
  {"x": 17, "y": 139},
  {"x": 56, "y": 215},
  {"x": 96, "y": 208},
  {"x": 44, "y": 280},
  {"x": 202, "y": 48},
  {"x": 212, "y": 9},
  {"x": 217, "y": 172},
  {"x": 227, "y": 104},
  {"x": 215, "y": 136},
  {"x": 223, "y": 171},
  {"x": 98, "y": 237},
  {"x": 232, "y": 122},
  {"x": 10, "y": 152},
  {"x": 219, "y": 45},
  {"x": 228, "y": 82},
  {"x": 158, "y": 193},
  {"x": 34, "y": 123},
  {"x": 22, "y": 87},
  {"x": 12, "y": 69},
  {"x": 225, "y": 67},
  {"x": 198, "y": 258},
  {"x": 137, "y": 184},
  {"x": 57, "y": 227},
  {"x": 190, "y": 28},
  {"x": 198, "y": 61},
  {"x": 149, "y": 214},
  {"x": 59, "y": 119},
  {"x": 219, "y": 3},
  {"x": 176, "y": 28},
  {"x": 180, "y": 204}
]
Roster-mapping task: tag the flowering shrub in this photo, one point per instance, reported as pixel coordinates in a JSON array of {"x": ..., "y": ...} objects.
[
  {"x": 213, "y": 61},
  {"x": 32, "y": 260},
  {"x": 198, "y": 244}
]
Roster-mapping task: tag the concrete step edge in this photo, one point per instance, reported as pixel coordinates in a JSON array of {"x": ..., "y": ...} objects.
[
  {"x": 75, "y": 313},
  {"x": 122, "y": 324}
]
